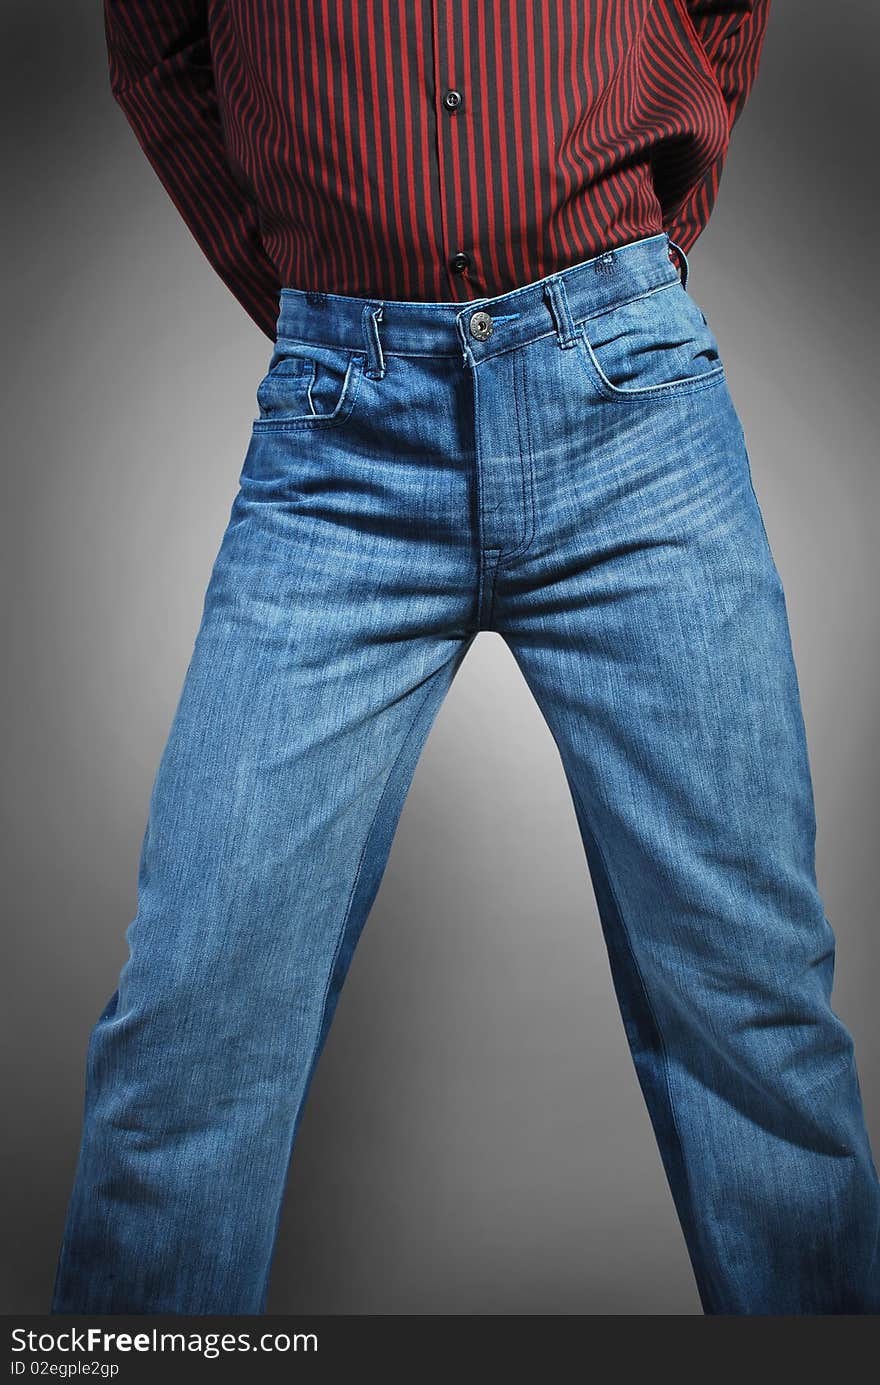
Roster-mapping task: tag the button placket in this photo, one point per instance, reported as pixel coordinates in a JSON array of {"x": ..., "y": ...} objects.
[{"x": 451, "y": 64}]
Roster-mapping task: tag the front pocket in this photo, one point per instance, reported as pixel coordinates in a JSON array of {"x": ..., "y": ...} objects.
[
  {"x": 657, "y": 344},
  {"x": 308, "y": 385}
]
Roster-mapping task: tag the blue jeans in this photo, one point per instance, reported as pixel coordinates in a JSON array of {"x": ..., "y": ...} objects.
[{"x": 564, "y": 465}]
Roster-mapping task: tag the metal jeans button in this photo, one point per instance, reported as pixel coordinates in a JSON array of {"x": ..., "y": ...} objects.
[{"x": 481, "y": 325}]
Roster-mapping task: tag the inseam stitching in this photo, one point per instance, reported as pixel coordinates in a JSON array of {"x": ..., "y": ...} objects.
[
  {"x": 600, "y": 852},
  {"x": 343, "y": 927}
]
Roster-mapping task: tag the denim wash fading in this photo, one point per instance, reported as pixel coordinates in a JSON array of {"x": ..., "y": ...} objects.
[{"x": 562, "y": 464}]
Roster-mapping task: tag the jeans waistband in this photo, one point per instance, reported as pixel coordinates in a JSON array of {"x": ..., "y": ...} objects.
[{"x": 483, "y": 326}]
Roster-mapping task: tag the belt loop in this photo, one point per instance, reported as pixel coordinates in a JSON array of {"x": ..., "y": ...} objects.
[
  {"x": 557, "y": 301},
  {"x": 375, "y": 359},
  {"x": 682, "y": 259}
]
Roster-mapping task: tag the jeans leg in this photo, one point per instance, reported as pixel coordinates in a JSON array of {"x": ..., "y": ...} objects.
[
  {"x": 649, "y": 619},
  {"x": 322, "y": 657}
]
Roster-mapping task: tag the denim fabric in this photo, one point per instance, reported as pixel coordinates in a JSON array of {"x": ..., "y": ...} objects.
[{"x": 564, "y": 465}]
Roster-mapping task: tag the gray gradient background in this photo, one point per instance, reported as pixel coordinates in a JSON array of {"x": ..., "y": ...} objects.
[{"x": 475, "y": 1140}]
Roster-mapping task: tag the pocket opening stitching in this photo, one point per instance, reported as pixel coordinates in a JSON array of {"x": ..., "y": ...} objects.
[
  {"x": 688, "y": 384},
  {"x": 351, "y": 384}
]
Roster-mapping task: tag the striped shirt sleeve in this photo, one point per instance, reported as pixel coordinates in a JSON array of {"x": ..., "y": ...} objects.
[
  {"x": 731, "y": 33},
  {"x": 161, "y": 77}
]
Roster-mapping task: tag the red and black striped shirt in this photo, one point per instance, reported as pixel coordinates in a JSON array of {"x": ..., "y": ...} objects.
[{"x": 442, "y": 150}]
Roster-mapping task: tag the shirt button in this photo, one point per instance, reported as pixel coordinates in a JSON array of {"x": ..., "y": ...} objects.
[
  {"x": 460, "y": 262},
  {"x": 452, "y": 99},
  {"x": 480, "y": 325}
]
